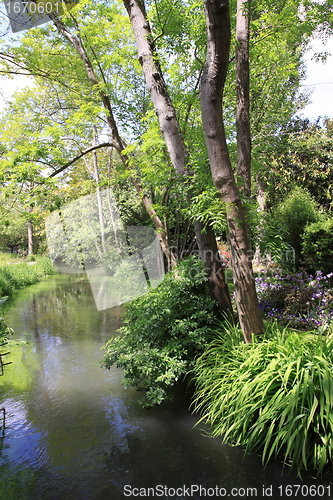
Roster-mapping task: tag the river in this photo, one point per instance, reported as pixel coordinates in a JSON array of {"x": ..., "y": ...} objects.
[{"x": 73, "y": 432}]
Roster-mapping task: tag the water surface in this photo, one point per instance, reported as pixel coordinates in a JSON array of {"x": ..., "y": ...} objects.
[{"x": 73, "y": 431}]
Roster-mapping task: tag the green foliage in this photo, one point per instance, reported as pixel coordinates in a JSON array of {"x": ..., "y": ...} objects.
[
  {"x": 284, "y": 226},
  {"x": 19, "y": 275},
  {"x": 13, "y": 233},
  {"x": 163, "y": 332},
  {"x": 9, "y": 258},
  {"x": 303, "y": 157},
  {"x": 273, "y": 396},
  {"x": 46, "y": 126},
  {"x": 207, "y": 208},
  {"x": 44, "y": 266},
  {"x": 318, "y": 246}
]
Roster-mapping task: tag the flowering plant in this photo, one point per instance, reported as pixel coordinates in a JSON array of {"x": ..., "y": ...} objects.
[{"x": 300, "y": 300}]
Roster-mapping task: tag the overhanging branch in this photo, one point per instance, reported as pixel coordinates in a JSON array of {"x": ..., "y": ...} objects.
[{"x": 83, "y": 153}]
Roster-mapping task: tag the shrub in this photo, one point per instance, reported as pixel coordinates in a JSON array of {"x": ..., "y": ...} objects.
[
  {"x": 44, "y": 266},
  {"x": 164, "y": 330},
  {"x": 284, "y": 229},
  {"x": 274, "y": 396},
  {"x": 318, "y": 246}
]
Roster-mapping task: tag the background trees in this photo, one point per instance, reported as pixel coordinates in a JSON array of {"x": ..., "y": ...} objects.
[{"x": 302, "y": 157}]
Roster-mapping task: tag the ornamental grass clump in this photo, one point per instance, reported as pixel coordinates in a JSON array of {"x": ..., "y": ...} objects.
[{"x": 274, "y": 396}]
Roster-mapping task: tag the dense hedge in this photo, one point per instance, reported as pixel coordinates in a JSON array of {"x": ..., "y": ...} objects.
[
  {"x": 284, "y": 227},
  {"x": 318, "y": 246}
]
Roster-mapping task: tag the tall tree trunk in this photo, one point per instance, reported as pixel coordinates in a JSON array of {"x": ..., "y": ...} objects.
[
  {"x": 243, "y": 105},
  {"x": 111, "y": 211},
  {"x": 212, "y": 86},
  {"x": 174, "y": 140},
  {"x": 217, "y": 284},
  {"x": 30, "y": 238},
  {"x": 156, "y": 85},
  {"x": 116, "y": 139},
  {"x": 243, "y": 98},
  {"x": 98, "y": 194}
]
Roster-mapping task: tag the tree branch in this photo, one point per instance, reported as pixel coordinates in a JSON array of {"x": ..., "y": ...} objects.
[{"x": 83, "y": 153}]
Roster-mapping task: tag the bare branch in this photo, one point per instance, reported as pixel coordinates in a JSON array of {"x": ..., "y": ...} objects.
[{"x": 83, "y": 153}]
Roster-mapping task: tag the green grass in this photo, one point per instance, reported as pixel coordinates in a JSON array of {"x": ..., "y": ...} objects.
[
  {"x": 9, "y": 258},
  {"x": 19, "y": 274},
  {"x": 273, "y": 397}
]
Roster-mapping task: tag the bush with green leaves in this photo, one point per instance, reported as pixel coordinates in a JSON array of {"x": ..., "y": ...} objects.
[
  {"x": 318, "y": 246},
  {"x": 285, "y": 225},
  {"x": 164, "y": 330},
  {"x": 274, "y": 396}
]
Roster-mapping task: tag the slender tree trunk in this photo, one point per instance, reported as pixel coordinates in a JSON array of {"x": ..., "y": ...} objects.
[
  {"x": 99, "y": 196},
  {"x": 30, "y": 238},
  {"x": 243, "y": 104},
  {"x": 243, "y": 98},
  {"x": 111, "y": 211},
  {"x": 261, "y": 201},
  {"x": 174, "y": 140},
  {"x": 156, "y": 85},
  {"x": 116, "y": 139},
  {"x": 98, "y": 248},
  {"x": 212, "y": 86}
]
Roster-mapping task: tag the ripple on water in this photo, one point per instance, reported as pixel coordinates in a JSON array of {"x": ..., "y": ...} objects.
[{"x": 23, "y": 443}]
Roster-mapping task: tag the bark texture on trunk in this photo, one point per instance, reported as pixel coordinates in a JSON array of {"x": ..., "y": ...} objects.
[
  {"x": 243, "y": 98},
  {"x": 213, "y": 266},
  {"x": 156, "y": 85},
  {"x": 174, "y": 140},
  {"x": 212, "y": 86},
  {"x": 116, "y": 139},
  {"x": 243, "y": 129},
  {"x": 261, "y": 201}
]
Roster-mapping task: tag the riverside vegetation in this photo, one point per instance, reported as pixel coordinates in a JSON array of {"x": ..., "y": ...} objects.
[
  {"x": 17, "y": 273},
  {"x": 273, "y": 396},
  {"x": 164, "y": 331}
]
